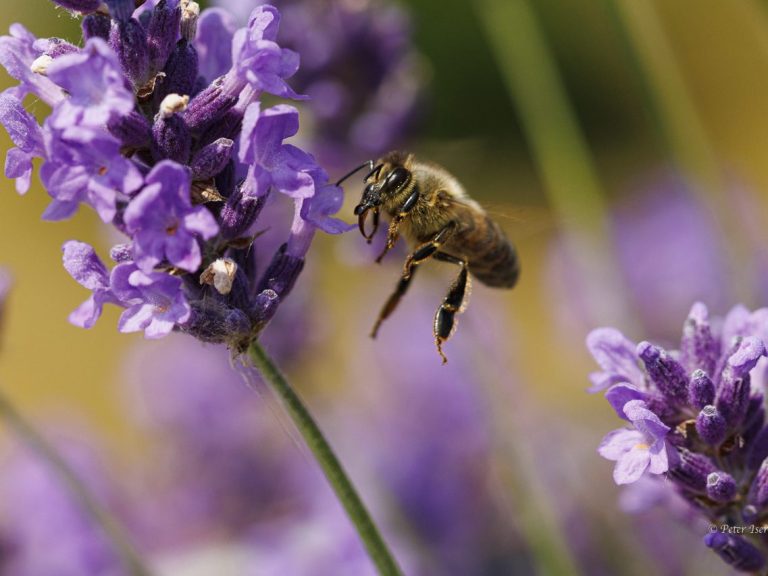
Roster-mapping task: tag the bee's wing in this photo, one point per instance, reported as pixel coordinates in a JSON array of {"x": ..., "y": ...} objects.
[{"x": 521, "y": 222}]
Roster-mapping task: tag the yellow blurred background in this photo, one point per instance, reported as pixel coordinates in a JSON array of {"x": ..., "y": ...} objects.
[{"x": 708, "y": 71}]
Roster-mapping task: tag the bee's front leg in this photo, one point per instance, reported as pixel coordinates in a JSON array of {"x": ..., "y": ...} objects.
[
  {"x": 422, "y": 253},
  {"x": 453, "y": 303},
  {"x": 392, "y": 234}
]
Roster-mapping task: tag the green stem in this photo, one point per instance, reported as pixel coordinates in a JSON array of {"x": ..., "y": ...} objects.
[
  {"x": 682, "y": 127},
  {"x": 340, "y": 482},
  {"x": 112, "y": 529},
  {"x": 559, "y": 149}
]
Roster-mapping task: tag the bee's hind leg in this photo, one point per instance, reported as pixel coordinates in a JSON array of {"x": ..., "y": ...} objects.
[
  {"x": 422, "y": 253},
  {"x": 392, "y": 302},
  {"x": 453, "y": 303}
]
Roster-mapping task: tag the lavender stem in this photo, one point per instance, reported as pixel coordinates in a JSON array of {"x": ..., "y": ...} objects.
[
  {"x": 114, "y": 532},
  {"x": 340, "y": 482}
]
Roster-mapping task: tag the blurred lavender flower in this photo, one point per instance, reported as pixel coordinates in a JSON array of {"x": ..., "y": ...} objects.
[
  {"x": 43, "y": 529},
  {"x": 698, "y": 419},
  {"x": 359, "y": 68},
  {"x": 220, "y": 464},
  {"x": 432, "y": 456},
  {"x": 235, "y": 486},
  {"x": 146, "y": 118},
  {"x": 668, "y": 252},
  {"x": 5, "y": 288}
]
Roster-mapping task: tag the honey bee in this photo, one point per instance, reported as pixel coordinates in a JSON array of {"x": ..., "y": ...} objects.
[{"x": 430, "y": 208}]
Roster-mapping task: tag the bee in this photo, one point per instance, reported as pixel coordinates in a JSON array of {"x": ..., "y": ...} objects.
[{"x": 430, "y": 208}]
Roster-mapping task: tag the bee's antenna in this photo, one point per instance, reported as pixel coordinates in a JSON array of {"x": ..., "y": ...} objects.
[{"x": 368, "y": 163}]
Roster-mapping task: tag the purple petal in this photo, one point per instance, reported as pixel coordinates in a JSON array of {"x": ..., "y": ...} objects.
[
  {"x": 18, "y": 165},
  {"x": 82, "y": 263},
  {"x": 644, "y": 420},
  {"x": 617, "y": 442},
  {"x": 745, "y": 358},
  {"x": 85, "y": 315},
  {"x": 215, "y": 29},
  {"x": 136, "y": 318},
  {"x": 631, "y": 466},
  {"x": 201, "y": 221},
  {"x": 659, "y": 463},
  {"x": 20, "y": 124},
  {"x": 620, "y": 394},
  {"x": 183, "y": 251},
  {"x": 615, "y": 354}
]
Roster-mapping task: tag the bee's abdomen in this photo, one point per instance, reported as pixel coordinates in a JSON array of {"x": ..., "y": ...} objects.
[
  {"x": 498, "y": 269},
  {"x": 492, "y": 257}
]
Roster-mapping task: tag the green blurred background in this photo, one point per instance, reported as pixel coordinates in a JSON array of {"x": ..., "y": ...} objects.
[{"x": 545, "y": 110}]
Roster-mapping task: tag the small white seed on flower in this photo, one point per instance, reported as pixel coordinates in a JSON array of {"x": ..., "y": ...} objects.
[
  {"x": 40, "y": 65},
  {"x": 220, "y": 274},
  {"x": 172, "y": 104}
]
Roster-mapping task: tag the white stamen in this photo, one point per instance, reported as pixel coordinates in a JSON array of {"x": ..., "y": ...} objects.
[
  {"x": 172, "y": 104},
  {"x": 40, "y": 65},
  {"x": 220, "y": 274}
]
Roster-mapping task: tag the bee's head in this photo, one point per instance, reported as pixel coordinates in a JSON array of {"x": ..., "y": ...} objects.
[{"x": 385, "y": 181}]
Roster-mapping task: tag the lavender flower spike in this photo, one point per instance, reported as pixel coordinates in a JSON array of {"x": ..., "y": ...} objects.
[
  {"x": 136, "y": 135},
  {"x": 700, "y": 402}
]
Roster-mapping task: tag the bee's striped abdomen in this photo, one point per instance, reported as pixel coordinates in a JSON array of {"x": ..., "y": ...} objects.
[{"x": 492, "y": 257}]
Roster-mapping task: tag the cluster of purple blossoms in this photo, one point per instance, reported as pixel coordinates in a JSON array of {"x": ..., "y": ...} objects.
[
  {"x": 697, "y": 419},
  {"x": 163, "y": 134},
  {"x": 359, "y": 67}
]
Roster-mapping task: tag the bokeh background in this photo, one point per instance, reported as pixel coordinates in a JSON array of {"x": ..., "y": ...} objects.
[{"x": 621, "y": 145}]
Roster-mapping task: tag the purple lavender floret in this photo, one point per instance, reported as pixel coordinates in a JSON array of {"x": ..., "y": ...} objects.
[
  {"x": 638, "y": 450},
  {"x": 164, "y": 223},
  {"x": 699, "y": 422},
  {"x": 146, "y": 118}
]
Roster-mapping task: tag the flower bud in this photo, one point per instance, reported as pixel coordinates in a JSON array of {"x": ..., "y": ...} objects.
[
  {"x": 758, "y": 492},
  {"x": 213, "y": 321},
  {"x": 733, "y": 399},
  {"x": 239, "y": 213},
  {"x": 264, "y": 306},
  {"x": 666, "y": 372},
  {"x": 721, "y": 487},
  {"x": 121, "y": 10},
  {"x": 133, "y": 130},
  {"x": 711, "y": 426},
  {"x": 180, "y": 71},
  {"x": 129, "y": 41},
  {"x": 282, "y": 272},
  {"x": 211, "y": 159},
  {"x": 96, "y": 26},
  {"x": 735, "y": 551},
  {"x": 190, "y": 14},
  {"x": 691, "y": 471},
  {"x": 699, "y": 350},
  {"x": 170, "y": 136},
  {"x": 162, "y": 33},
  {"x": 210, "y": 105},
  {"x": 701, "y": 390},
  {"x": 758, "y": 450}
]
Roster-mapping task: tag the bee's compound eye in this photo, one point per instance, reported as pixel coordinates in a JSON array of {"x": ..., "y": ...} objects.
[{"x": 397, "y": 179}]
